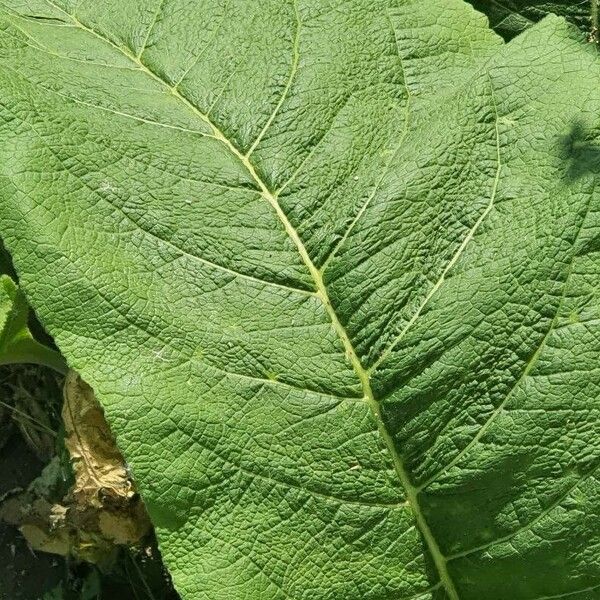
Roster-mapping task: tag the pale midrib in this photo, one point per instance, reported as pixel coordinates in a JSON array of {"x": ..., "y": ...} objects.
[
  {"x": 364, "y": 378},
  {"x": 362, "y": 373}
]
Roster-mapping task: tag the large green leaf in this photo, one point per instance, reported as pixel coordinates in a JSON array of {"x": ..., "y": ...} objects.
[
  {"x": 332, "y": 268},
  {"x": 511, "y": 17}
]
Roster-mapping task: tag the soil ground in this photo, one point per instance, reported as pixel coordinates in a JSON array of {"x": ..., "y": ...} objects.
[{"x": 24, "y": 574}]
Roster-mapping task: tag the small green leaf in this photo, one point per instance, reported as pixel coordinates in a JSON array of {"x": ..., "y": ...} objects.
[{"x": 17, "y": 345}]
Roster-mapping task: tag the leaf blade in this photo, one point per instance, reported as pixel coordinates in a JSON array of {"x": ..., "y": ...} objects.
[{"x": 292, "y": 461}]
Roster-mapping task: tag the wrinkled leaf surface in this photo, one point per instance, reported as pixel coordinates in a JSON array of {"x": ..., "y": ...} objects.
[{"x": 332, "y": 269}]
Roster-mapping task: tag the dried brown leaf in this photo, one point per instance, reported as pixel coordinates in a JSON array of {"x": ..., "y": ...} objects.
[
  {"x": 101, "y": 477},
  {"x": 102, "y": 509}
]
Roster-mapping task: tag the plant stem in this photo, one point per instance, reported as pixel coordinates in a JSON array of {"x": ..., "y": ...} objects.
[
  {"x": 141, "y": 576},
  {"x": 37, "y": 423}
]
